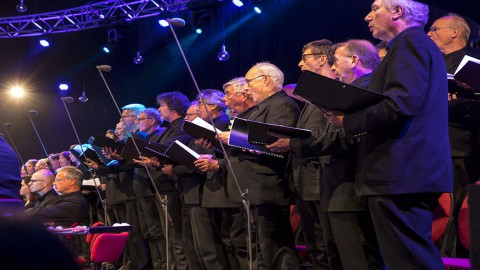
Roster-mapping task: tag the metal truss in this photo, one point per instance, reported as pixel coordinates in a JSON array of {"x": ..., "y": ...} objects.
[{"x": 93, "y": 15}]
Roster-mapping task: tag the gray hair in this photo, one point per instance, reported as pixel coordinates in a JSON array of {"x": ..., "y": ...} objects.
[
  {"x": 272, "y": 71},
  {"x": 153, "y": 113},
  {"x": 134, "y": 107},
  {"x": 239, "y": 84},
  {"x": 460, "y": 24},
  {"x": 73, "y": 173},
  {"x": 213, "y": 97},
  {"x": 414, "y": 12},
  {"x": 365, "y": 51}
]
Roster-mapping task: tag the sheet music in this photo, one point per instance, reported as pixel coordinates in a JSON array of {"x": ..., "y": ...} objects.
[
  {"x": 200, "y": 122},
  {"x": 465, "y": 60}
]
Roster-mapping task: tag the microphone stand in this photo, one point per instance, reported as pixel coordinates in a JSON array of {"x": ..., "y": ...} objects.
[
  {"x": 244, "y": 195},
  {"x": 34, "y": 112},
  {"x": 13, "y": 144},
  {"x": 163, "y": 201},
  {"x": 92, "y": 174}
]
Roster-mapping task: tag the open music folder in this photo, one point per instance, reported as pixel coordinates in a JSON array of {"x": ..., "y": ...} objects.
[
  {"x": 260, "y": 133},
  {"x": 182, "y": 154},
  {"x": 467, "y": 73},
  {"x": 130, "y": 151},
  {"x": 332, "y": 95},
  {"x": 239, "y": 139},
  {"x": 199, "y": 128},
  {"x": 103, "y": 141}
]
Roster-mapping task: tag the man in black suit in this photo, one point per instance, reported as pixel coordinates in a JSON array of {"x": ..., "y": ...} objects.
[
  {"x": 305, "y": 161},
  {"x": 263, "y": 175},
  {"x": 451, "y": 34},
  {"x": 403, "y": 151},
  {"x": 41, "y": 183}
]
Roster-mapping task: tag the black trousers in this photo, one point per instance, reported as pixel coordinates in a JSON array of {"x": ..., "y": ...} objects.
[
  {"x": 403, "y": 225},
  {"x": 275, "y": 236},
  {"x": 151, "y": 228},
  {"x": 323, "y": 253},
  {"x": 356, "y": 240},
  {"x": 135, "y": 255},
  {"x": 206, "y": 227},
  {"x": 234, "y": 236},
  {"x": 193, "y": 260}
]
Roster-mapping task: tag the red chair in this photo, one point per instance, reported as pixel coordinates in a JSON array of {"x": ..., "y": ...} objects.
[
  {"x": 464, "y": 238},
  {"x": 302, "y": 251},
  {"x": 442, "y": 217},
  {"x": 105, "y": 247}
]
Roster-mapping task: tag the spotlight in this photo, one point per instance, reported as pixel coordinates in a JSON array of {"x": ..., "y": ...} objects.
[
  {"x": 112, "y": 41},
  {"x": 138, "y": 59},
  {"x": 198, "y": 31},
  {"x": 44, "y": 43},
  {"x": 17, "y": 91},
  {"x": 257, "y": 10},
  {"x": 83, "y": 98},
  {"x": 63, "y": 86},
  {"x": 223, "y": 55},
  {"x": 21, "y": 7},
  {"x": 109, "y": 47},
  {"x": 237, "y": 3},
  {"x": 163, "y": 23}
]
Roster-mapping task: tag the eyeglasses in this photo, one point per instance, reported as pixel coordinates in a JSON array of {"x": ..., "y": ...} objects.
[
  {"x": 307, "y": 56},
  {"x": 33, "y": 181},
  {"x": 229, "y": 94},
  {"x": 254, "y": 78},
  {"x": 127, "y": 116},
  {"x": 141, "y": 119},
  {"x": 434, "y": 29}
]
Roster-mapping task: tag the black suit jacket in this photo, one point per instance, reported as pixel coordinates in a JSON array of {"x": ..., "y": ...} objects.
[
  {"x": 403, "y": 140},
  {"x": 463, "y": 117},
  {"x": 263, "y": 175},
  {"x": 64, "y": 210}
]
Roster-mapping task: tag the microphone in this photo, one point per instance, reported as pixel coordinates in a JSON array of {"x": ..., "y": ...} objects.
[
  {"x": 9, "y": 125},
  {"x": 68, "y": 99},
  {"x": 34, "y": 113},
  {"x": 104, "y": 68},
  {"x": 178, "y": 22}
]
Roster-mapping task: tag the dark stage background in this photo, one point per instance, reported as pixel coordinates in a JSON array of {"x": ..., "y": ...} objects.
[{"x": 277, "y": 36}]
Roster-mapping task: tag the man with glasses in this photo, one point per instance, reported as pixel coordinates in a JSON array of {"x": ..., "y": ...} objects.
[
  {"x": 129, "y": 115},
  {"x": 451, "y": 34},
  {"x": 69, "y": 206},
  {"x": 42, "y": 184},
  {"x": 305, "y": 161},
  {"x": 263, "y": 175}
]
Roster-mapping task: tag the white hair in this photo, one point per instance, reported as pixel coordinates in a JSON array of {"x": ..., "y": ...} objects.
[
  {"x": 272, "y": 71},
  {"x": 414, "y": 12}
]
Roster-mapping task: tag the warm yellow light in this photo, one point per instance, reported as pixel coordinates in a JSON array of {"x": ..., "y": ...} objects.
[{"x": 17, "y": 91}]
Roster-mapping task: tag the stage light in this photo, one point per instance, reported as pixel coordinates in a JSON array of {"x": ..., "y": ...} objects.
[
  {"x": 223, "y": 55},
  {"x": 44, "y": 43},
  {"x": 83, "y": 98},
  {"x": 21, "y": 7},
  {"x": 257, "y": 10},
  {"x": 138, "y": 59},
  {"x": 198, "y": 31},
  {"x": 112, "y": 41},
  {"x": 106, "y": 49},
  {"x": 237, "y": 3},
  {"x": 163, "y": 23},
  {"x": 63, "y": 86},
  {"x": 17, "y": 91}
]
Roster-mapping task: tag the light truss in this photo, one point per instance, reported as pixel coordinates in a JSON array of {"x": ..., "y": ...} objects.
[{"x": 93, "y": 15}]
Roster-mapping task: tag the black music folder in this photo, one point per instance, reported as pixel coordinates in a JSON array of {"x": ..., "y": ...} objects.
[
  {"x": 103, "y": 141},
  {"x": 258, "y": 132},
  {"x": 467, "y": 73},
  {"x": 332, "y": 95},
  {"x": 199, "y": 128},
  {"x": 130, "y": 151},
  {"x": 182, "y": 154},
  {"x": 239, "y": 139},
  {"x": 84, "y": 154}
]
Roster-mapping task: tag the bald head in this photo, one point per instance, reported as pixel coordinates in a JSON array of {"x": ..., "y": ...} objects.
[
  {"x": 41, "y": 182},
  {"x": 450, "y": 33}
]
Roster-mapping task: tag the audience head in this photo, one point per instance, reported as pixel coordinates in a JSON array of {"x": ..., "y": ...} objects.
[
  {"x": 353, "y": 59},
  {"x": 317, "y": 57},
  {"x": 450, "y": 33},
  {"x": 30, "y": 166},
  {"x": 149, "y": 120},
  {"x": 41, "y": 182},
  {"x": 381, "y": 49},
  {"x": 389, "y": 18},
  {"x": 69, "y": 179},
  {"x": 129, "y": 115},
  {"x": 42, "y": 164},
  {"x": 192, "y": 111},
  {"x": 172, "y": 105},
  {"x": 213, "y": 99},
  {"x": 263, "y": 80},
  {"x": 65, "y": 159},
  {"x": 55, "y": 161}
]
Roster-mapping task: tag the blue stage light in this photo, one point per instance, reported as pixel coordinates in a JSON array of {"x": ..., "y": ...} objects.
[
  {"x": 237, "y": 3},
  {"x": 63, "y": 86},
  {"x": 198, "y": 31},
  {"x": 44, "y": 43},
  {"x": 257, "y": 10},
  {"x": 163, "y": 23}
]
